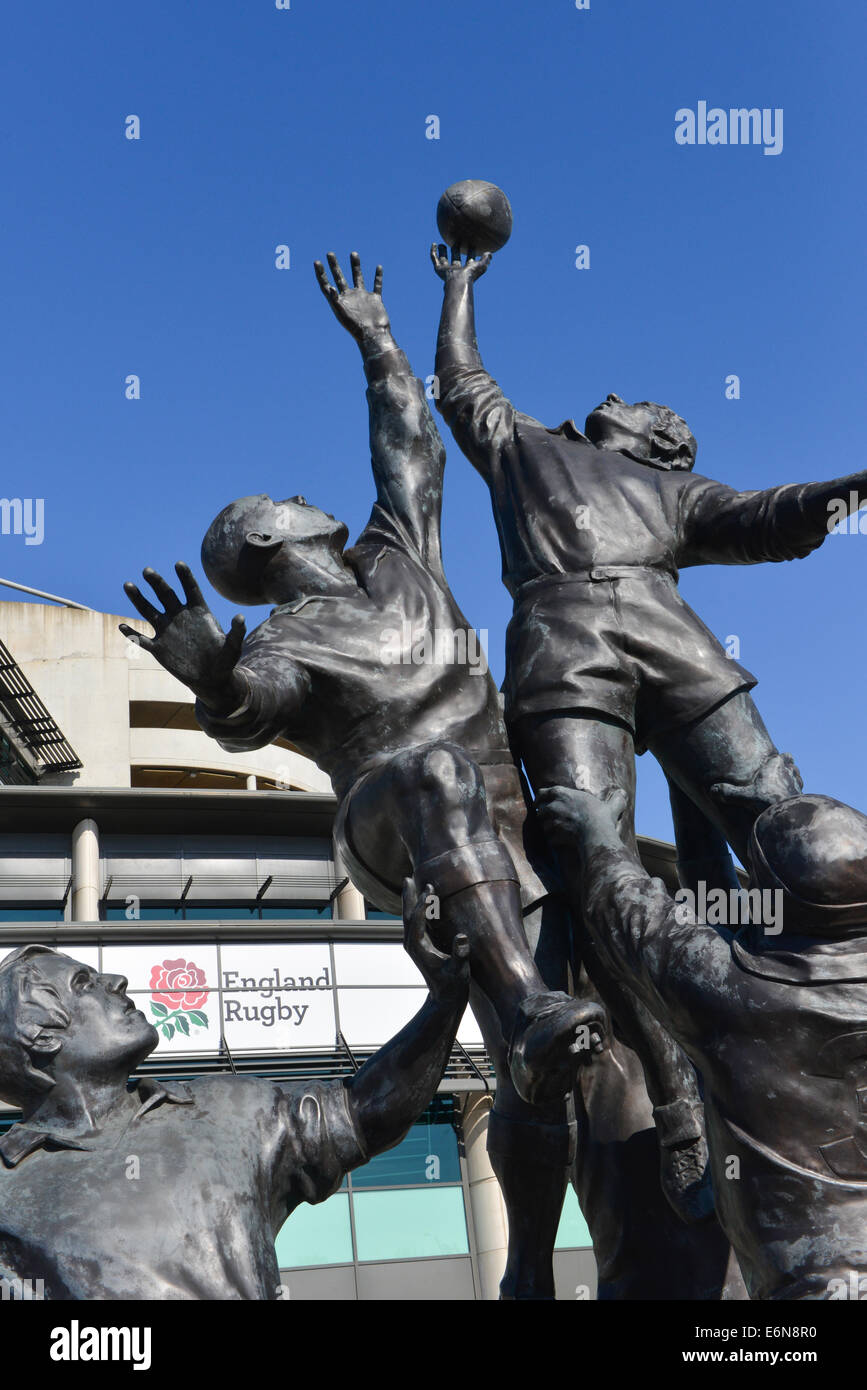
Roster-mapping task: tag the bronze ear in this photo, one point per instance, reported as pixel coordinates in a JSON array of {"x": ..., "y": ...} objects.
[{"x": 262, "y": 541}]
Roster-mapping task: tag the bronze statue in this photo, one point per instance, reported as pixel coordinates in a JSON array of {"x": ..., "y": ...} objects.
[
  {"x": 178, "y": 1191},
  {"x": 775, "y": 1023},
  {"x": 603, "y": 655},
  {"x": 321, "y": 671},
  {"x": 419, "y": 757},
  {"x": 412, "y": 737}
]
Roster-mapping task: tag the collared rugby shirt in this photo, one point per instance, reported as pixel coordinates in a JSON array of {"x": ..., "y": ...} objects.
[{"x": 220, "y": 1163}]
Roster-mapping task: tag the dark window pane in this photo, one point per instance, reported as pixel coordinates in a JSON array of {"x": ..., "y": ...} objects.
[
  {"x": 31, "y": 914},
  {"x": 428, "y": 1154},
  {"x": 14, "y": 772},
  {"x": 374, "y": 914},
  {"x": 168, "y": 912},
  {"x": 297, "y": 911},
  {"x": 232, "y": 912}
]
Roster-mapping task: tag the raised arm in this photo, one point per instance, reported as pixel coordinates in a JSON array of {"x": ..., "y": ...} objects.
[
  {"x": 722, "y": 526},
  {"x": 400, "y": 1080},
  {"x": 478, "y": 414},
  {"x": 406, "y": 450},
  {"x": 456, "y": 341}
]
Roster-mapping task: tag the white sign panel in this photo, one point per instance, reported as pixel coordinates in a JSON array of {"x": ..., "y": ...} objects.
[
  {"x": 265, "y": 998},
  {"x": 277, "y": 998},
  {"x": 368, "y": 962},
  {"x": 369, "y": 1017}
]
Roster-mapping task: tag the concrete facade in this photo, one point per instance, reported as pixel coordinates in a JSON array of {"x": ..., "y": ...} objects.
[{"x": 92, "y": 679}]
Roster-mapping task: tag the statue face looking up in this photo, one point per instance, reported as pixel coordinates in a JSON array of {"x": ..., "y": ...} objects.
[
  {"x": 255, "y": 545},
  {"x": 295, "y": 519},
  {"x": 106, "y": 1031},
  {"x": 645, "y": 431}
]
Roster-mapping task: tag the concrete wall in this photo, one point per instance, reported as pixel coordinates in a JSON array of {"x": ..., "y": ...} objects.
[{"x": 86, "y": 672}]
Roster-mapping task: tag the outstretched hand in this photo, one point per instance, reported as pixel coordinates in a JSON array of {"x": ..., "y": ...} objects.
[
  {"x": 361, "y": 311},
  {"x": 447, "y": 977},
  {"x": 188, "y": 641},
  {"x": 469, "y": 270}
]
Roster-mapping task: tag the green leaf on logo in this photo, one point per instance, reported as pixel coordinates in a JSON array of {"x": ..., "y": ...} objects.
[
  {"x": 159, "y": 1009},
  {"x": 183, "y": 1026},
  {"x": 198, "y": 1017},
  {"x": 168, "y": 1030}
]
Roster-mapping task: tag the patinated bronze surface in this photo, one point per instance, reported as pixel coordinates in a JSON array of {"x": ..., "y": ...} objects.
[
  {"x": 603, "y": 656},
  {"x": 605, "y": 659},
  {"x": 367, "y": 664},
  {"x": 177, "y": 1191},
  {"x": 775, "y": 1022}
]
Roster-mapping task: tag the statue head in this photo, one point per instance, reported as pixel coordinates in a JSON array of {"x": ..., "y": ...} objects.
[
  {"x": 645, "y": 431},
  {"x": 261, "y": 551},
  {"x": 815, "y": 849},
  {"x": 60, "y": 1018}
]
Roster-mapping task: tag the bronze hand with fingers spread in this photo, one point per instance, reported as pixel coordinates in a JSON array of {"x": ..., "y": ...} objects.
[{"x": 188, "y": 641}]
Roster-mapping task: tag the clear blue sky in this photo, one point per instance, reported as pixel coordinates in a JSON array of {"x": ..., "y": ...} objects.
[{"x": 307, "y": 127}]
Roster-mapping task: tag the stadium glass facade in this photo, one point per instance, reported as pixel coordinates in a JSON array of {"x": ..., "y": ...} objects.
[{"x": 404, "y": 1220}]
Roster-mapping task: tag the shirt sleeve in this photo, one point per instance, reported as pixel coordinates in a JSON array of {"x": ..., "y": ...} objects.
[
  {"x": 407, "y": 453},
  {"x": 275, "y": 689},
  {"x": 319, "y": 1143},
  {"x": 480, "y": 417},
  {"x": 719, "y": 525}
]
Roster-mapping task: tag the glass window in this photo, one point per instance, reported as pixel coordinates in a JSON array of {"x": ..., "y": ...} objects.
[
  {"x": 14, "y": 772},
  {"x": 375, "y": 914},
  {"x": 27, "y": 913},
  {"x": 410, "y": 1223},
  {"x": 296, "y": 911},
  {"x": 233, "y": 912},
  {"x": 168, "y": 913},
  {"x": 573, "y": 1230},
  {"x": 316, "y": 1235},
  {"x": 428, "y": 1154}
]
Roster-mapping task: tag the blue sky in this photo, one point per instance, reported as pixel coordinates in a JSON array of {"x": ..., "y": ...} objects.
[{"x": 307, "y": 127}]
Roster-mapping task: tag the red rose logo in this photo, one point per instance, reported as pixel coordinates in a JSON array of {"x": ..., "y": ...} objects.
[
  {"x": 179, "y": 983},
  {"x": 178, "y": 988}
]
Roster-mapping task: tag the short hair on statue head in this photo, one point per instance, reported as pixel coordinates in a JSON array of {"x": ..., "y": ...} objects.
[
  {"x": 672, "y": 438},
  {"x": 232, "y": 565},
  {"x": 31, "y": 1020}
]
